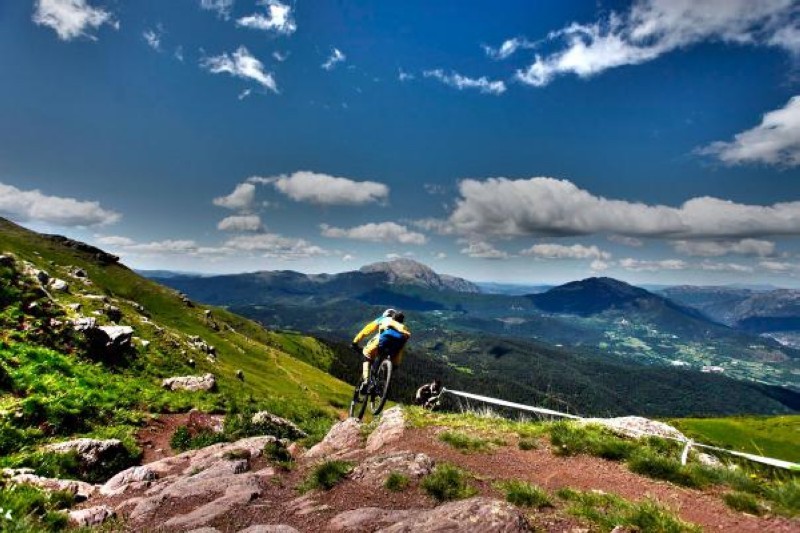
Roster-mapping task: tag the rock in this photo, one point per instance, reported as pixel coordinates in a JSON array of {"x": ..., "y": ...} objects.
[
  {"x": 206, "y": 382},
  {"x": 112, "y": 312},
  {"x": 140, "y": 476},
  {"x": 203, "y": 422},
  {"x": 374, "y": 470},
  {"x": 79, "y": 273},
  {"x": 360, "y": 519},
  {"x": 205, "y": 530},
  {"x": 276, "y": 426},
  {"x": 96, "y": 297},
  {"x": 79, "y": 489},
  {"x": 96, "y": 253},
  {"x": 75, "y": 307},
  {"x": 709, "y": 460},
  {"x": 637, "y": 426},
  {"x": 240, "y": 374},
  {"x": 113, "y": 337},
  {"x": 91, "y": 516},
  {"x": 41, "y": 275},
  {"x": 235, "y": 495},
  {"x": 90, "y": 451},
  {"x": 280, "y": 528},
  {"x": 474, "y": 514},
  {"x": 342, "y": 440},
  {"x": 7, "y": 260},
  {"x": 390, "y": 429},
  {"x": 59, "y": 285},
  {"x": 306, "y": 505}
]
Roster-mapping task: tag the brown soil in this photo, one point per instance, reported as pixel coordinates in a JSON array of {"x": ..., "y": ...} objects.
[
  {"x": 154, "y": 437},
  {"x": 541, "y": 467}
]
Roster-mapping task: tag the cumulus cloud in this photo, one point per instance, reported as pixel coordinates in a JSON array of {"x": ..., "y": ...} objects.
[
  {"x": 153, "y": 38},
  {"x": 701, "y": 248},
  {"x": 550, "y": 207},
  {"x": 456, "y": 80},
  {"x": 336, "y": 57},
  {"x": 388, "y": 232},
  {"x": 777, "y": 266},
  {"x": 114, "y": 240},
  {"x": 322, "y": 189},
  {"x": 641, "y": 265},
  {"x": 775, "y": 141},
  {"x": 598, "y": 265},
  {"x": 34, "y": 206},
  {"x": 242, "y": 198},
  {"x": 240, "y": 64},
  {"x": 274, "y": 246},
  {"x": 221, "y": 7},
  {"x": 483, "y": 250},
  {"x": 508, "y": 48},
  {"x": 241, "y": 223},
  {"x": 651, "y": 28},
  {"x": 403, "y": 75},
  {"x": 626, "y": 241},
  {"x": 71, "y": 18},
  {"x": 725, "y": 267},
  {"x": 560, "y": 251},
  {"x": 278, "y": 18}
]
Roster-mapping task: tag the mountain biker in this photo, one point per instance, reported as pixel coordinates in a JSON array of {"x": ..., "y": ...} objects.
[
  {"x": 428, "y": 395},
  {"x": 390, "y": 340}
]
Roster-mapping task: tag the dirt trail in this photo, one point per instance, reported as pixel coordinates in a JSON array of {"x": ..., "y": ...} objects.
[{"x": 279, "y": 502}]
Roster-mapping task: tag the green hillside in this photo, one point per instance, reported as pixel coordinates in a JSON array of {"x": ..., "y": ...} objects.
[
  {"x": 777, "y": 437},
  {"x": 54, "y": 384}
]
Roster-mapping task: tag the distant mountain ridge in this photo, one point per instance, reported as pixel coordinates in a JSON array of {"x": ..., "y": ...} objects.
[{"x": 415, "y": 273}]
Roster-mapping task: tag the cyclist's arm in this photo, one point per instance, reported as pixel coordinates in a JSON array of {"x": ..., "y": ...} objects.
[
  {"x": 366, "y": 331},
  {"x": 397, "y": 326}
]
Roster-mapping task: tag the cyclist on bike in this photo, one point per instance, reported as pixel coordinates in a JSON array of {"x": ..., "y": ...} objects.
[{"x": 390, "y": 340}]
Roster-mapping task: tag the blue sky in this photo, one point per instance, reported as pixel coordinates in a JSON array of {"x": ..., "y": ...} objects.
[{"x": 653, "y": 141}]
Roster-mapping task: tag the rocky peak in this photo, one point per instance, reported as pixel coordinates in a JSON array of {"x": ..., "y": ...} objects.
[{"x": 413, "y": 272}]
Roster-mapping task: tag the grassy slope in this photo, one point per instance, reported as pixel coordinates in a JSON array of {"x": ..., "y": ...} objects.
[
  {"x": 270, "y": 372},
  {"x": 777, "y": 437}
]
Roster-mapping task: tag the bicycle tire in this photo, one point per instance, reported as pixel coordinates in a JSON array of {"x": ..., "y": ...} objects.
[
  {"x": 358, "y": 404},
  {"x": 382, "y": 385}
]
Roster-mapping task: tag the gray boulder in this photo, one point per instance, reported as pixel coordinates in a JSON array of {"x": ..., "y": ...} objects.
[
  {"x": 79, "y": 489},
  {"x": 114, "y": 337},
  {"x": 637, "y": 426},
  {"x": 91, "y": 516},
  {"x": 276, "y": 426},
  {"x": 357, "y": 520},
  {"x": 59, "y": 285},
  {"x": 134, "y": 477},
  {"x": 390, "y": 429},
  {"x": 90, "y": 452},
  {"x": 343, "y": 440},
  {"x": 474, "y": 514},
  {"x": 206, "y": 382},
  {"x": 374, "y": 470}
]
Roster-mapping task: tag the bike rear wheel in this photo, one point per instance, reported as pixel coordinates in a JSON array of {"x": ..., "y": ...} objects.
[
  {"x": 358, "y": 405},
  {"x": 383, "y": 378}
]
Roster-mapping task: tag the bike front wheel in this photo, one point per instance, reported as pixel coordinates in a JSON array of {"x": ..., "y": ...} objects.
[
  {"x": 358, "y": 405},
  {"x": 383, "y": 378}
]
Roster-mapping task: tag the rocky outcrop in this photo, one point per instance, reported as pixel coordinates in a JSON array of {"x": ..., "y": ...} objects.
[
  {"x": 375, "y": 469},
  {"x": 474, "y": 514},
  {"x": 133, "y": 478},
  {"x": 276, "y": 426},
  {"x": 58, "y": 285},
  {"x": 91, "y": 452},
  {"x": 206, "y": 382},
  {"x": 95, "y": 253},
  {"x": 637, "y": 426},
  {"x": 390, "y": 429},
  {"x": 91, "y": 516},
  {"x": 79, "y": 489},
  {"x": 279, "y": 528},
  {"x": 200, "y": 422},
  {"x": 113, "y": 312},
  {"x": 343, "y": 440},
  {"x": 358, "y": 520}
]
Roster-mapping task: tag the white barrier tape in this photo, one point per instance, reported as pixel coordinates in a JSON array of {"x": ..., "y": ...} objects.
[
  {"x": 487, "y": 399},
  {"x": 779, "y": 463}
]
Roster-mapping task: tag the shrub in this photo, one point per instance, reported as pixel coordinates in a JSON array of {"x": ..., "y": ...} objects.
[
  {"x": 571, "y": 439},
  {"x": 181, "y": 439},
  {"x": 396, "y": 482},
  {"x": 741, "y": 501},
  {"x": 326, "y": 475},
  {"x": 786, "y": 496},
  {"x": 525, "y": 494},
  {"x": 649, "y": 464},
  {"x": 463, "y": 442},
  {"x": 448, "y": 482},
  {"x": 276, "y": 452},
  {"x": 528, "y": 444}
]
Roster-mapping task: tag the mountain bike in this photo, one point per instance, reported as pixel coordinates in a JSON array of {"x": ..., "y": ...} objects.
[{"x": 380, "y": 377}]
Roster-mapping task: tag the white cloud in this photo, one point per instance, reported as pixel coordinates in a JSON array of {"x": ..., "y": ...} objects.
[
  {"x": 639, "y": 265},
  {"x": 221, "y": 7},
  {"x": 701, "y": 248},
  {"x": 598, "y": 265},
  {"x": 241, "y": 223},
  {"x": 244, "y": 94},
  {"x": 404, "y": 76},
  {"x": 483, "y": 250},
  {"x": 440, "y": 255},
  {"x": 775, "y": 141},
  {"x": 651, "y": 28},
  {"x": 626, "y": 241},
  {"x": 153, "y": 38},
  {"x": 383, "y": 232},
  {"x": 546, "y": 206},
  {"x": 280, "y": 56},
  {"x": 508, "y": 48},
  {"x": 278, "y": 18},
  {"x": 114, "y": 240},
  {"x": 347, "y": 257},
  {"x": 560, "y": 251},
  {"x": 242, "y": 198},
  {"x": 336, "y": 57},
  {"x": 179, "y": 53},
  {"x": 725, "y": 267},
  {"x": 777, "y": 266},
  {"x": 275, "y": 246},
  {"x": 71, "y": 18},
  {"x": 305, "y": 186},
  {"x": 33, "y": 205},
  {"x": 240, "y": 64},
  {"x": 168, "y": 246},
  {"x": 454, "y": 79}
]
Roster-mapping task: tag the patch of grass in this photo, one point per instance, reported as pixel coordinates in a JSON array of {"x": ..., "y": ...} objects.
[
  {"x": 237, "y": 454},
  {"x": 608, "y": 511},
  {"x": 463, "y": 442},
  {"x": 396, "y": 482},
  {"x": 326, "y": 475},
  {"x": 744, "y": 502},
  {"x": 527, "y": 443},
  {"x": 277, "y": 452},
  {"x": 525, "y": 494},
  {"x": 183, "y": 440},
  {"x": 448, "y": 482},
  {"x": 785, "y": 495},
  {"x": 569, "y": 438},
  {"x": 31, "y": 510},
  {"x": 650, "y": 464}
]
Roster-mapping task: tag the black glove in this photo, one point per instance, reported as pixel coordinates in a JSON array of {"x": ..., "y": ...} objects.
[{"x": 356, "y": 347}]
